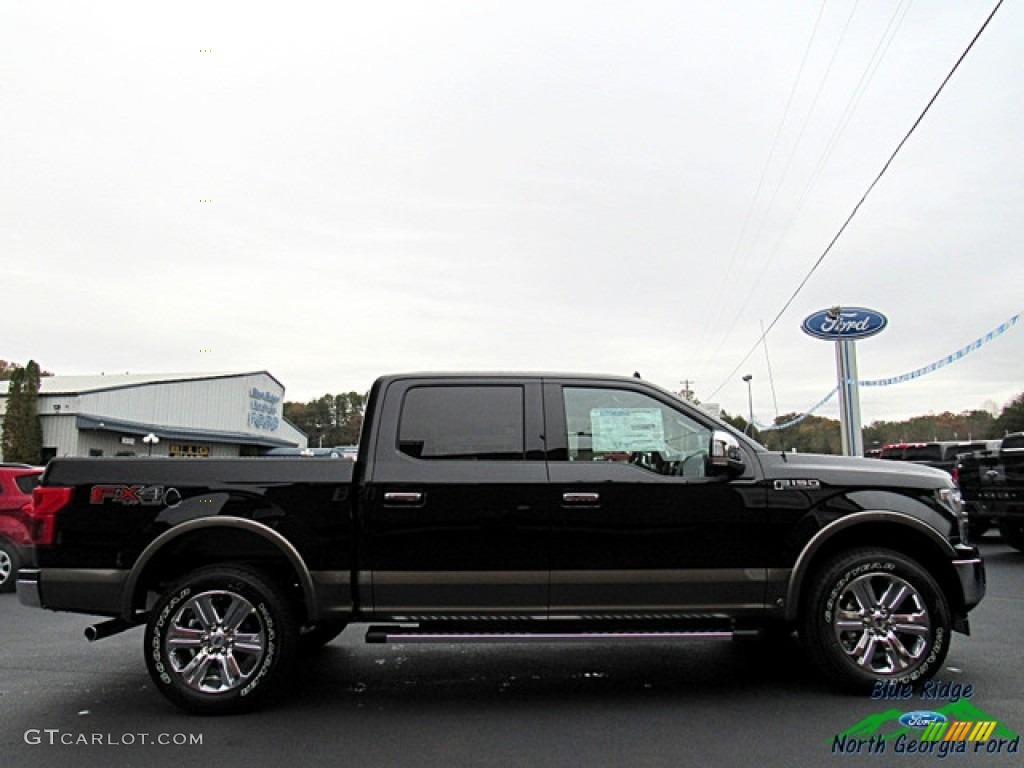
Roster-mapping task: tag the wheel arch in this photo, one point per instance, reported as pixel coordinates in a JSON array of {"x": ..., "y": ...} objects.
[
  {"x": 890, "y": 530},
  {"x": 194, "y": 544}
]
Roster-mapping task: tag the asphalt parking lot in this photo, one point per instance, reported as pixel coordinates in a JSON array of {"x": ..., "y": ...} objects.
[{"x": 64, "y": 701}]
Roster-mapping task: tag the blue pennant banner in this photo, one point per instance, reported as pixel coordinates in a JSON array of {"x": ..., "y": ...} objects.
[{"x": 960, "y": 354}]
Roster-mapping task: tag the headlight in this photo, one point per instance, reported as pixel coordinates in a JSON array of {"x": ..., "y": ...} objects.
[{"x": 951, "y": 499}]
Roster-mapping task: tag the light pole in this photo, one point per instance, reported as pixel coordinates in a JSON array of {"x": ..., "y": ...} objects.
[
  {"x": 750, "y": 403},
  {"x": 150, "y": 440}
]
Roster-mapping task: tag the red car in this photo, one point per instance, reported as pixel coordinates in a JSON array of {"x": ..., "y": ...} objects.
[{"x": 16, "y": 484}]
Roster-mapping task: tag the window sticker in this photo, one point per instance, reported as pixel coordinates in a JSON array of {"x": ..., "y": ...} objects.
[{"x": 627, "y": 429}]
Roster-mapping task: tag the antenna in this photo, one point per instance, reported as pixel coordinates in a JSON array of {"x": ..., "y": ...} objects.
[{"x": 771, "y": 378}]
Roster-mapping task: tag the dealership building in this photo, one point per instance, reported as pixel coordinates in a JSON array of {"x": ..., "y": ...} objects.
[{"x": 187, "y": 415}]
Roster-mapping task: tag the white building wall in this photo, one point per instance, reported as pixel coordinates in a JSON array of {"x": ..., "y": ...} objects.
[
  {"x": 60, "y": 432},
  {"x": 223, "y": 405},
  {"x": 107, "y": 443},
  {"x": 95, "y": 443},
  {"x": 223, "y": 451},
  {"x": 244, "y": 404}
]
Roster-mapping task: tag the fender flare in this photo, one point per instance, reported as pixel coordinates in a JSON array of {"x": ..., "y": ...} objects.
[
  {"x": 812, "y": 547},
  {"x": 239, "y": 523}
]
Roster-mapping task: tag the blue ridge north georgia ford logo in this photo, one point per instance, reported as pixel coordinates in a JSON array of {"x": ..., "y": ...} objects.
[{"x": 840, "y": 323}]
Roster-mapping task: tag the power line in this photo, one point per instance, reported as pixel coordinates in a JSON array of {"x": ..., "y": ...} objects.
[
  {"x": 786, "y": 168},
  {"x": 709, "y": 322},
  {"x": 864, "y": 197},
  {"x": 870, "y": 68}
]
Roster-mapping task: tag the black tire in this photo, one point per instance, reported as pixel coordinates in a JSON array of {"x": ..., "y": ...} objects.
[
  {"x": 312, "y": 639},
  {"x": 10, "y": 562},
  {"x": 851, "y": 623},
  {"x": 221, "y": 641},
  {"x": 1012, "y": 532}
]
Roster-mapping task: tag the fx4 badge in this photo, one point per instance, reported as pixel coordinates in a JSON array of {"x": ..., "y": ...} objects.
[
  {"x": 150, "y": 495},
  {"x": 797, "y": 485}
]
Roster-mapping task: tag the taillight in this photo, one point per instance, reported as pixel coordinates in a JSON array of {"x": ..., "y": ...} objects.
[
  {"x": 956, "y": 475},
  {"x": 47, "y": 501}
]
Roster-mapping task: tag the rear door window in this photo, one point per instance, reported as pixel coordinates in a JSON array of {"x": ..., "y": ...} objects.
[{"x": 464, "y": 423}]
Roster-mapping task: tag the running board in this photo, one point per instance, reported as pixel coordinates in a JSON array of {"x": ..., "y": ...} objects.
[{"x": 392, "y": 634}]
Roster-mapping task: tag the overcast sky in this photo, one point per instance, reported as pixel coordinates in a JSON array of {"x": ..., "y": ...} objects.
[{"x": 334, "y": 190}]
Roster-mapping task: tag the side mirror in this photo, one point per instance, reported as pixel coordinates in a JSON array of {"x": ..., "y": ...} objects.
[{"x": 725, "y": 457}]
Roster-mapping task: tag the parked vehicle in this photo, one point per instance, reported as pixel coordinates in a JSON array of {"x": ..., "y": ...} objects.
[
  {"x": 940, "y": 454},
  {"x": 506, "y": 507},
  {"x": 344, "y": 452},
  {"x": 893, "y": 451},
  {"x": 16, "y": 484},
  {"x": 992, "y": 484}
]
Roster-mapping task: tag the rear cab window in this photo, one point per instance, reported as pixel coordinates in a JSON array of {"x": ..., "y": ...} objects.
[{"x": 463, "y": 423}]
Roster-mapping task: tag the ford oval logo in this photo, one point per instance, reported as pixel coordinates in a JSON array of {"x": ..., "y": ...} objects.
[
  {"x": 921, "y": 719},
  {"x": 844, "y": 323}
]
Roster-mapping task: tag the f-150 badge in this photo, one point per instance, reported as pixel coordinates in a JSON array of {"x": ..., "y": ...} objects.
[{"x": 797, "y": 485}]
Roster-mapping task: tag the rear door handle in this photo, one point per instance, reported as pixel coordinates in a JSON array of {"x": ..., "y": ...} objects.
[
  {"x": 403, "y": 497},
  {"x": 578, "y": 498}
]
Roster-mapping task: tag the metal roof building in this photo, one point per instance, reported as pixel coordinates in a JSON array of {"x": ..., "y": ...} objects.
[{"x": 218, "y": 415}]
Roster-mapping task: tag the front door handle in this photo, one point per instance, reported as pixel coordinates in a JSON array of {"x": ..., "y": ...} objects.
[
  {"x": 580, "y": 498},
  {"x": 403, "y": 497}
]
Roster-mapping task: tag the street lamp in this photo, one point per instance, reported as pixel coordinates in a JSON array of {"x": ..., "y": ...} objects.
[
  {"x": 750, "y": 403},
  {"x": 150, "y": 440}
]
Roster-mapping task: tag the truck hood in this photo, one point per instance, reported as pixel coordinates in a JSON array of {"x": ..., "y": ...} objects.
[{"x": 851, "y": 471}]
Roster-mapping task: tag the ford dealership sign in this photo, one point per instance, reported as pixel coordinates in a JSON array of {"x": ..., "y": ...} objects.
[{"x": 844, "y": 323}]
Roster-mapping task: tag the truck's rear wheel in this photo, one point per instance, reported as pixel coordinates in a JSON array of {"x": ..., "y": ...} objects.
[
  {"x": 221, "y": 640},
  {"x": 874, "y": 614},
  {"x": 1012, "y": 532}
]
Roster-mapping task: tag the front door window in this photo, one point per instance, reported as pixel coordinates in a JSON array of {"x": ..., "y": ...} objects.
[{"x": 630, "y": 427}]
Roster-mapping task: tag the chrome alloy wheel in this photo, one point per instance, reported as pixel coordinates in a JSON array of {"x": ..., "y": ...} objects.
[
  {"x": 882, "y": 624},
  {"x": 215, "y": 641},
  {"x": 6, "y": 566}
]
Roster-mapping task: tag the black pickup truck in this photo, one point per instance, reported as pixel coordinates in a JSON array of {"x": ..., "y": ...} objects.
[
  {"x": 506, "y": 507},
  {"x": 992, "y": 485}
]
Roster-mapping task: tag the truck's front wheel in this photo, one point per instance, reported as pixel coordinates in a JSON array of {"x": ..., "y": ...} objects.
[
  {"x": 221, "y": 640},
  {"x": 874, "y": 614}
]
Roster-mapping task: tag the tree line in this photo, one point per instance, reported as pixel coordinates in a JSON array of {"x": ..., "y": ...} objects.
[
  {"x": 329, "y": 420},
  {"x": 337, "y": 419},
  {"x": 333, "y": 420},
  {"x": 817, "y": 434}
]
